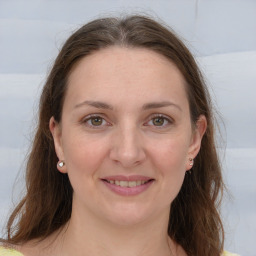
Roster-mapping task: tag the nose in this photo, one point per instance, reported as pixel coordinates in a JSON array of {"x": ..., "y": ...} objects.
[{"x": 127, "y": 147}]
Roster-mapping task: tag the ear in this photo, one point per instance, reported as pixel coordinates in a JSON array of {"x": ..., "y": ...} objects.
[
  {"x": 196, "y": 139},
  {"x": 55, "y": 129}
]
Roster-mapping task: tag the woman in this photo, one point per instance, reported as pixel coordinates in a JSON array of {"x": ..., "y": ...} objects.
[{"x": 127, "y": 118}]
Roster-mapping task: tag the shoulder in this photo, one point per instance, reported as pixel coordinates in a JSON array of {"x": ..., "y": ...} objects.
[
  {"x": 9, "y": 252},
  {"x": 225, "y": 253}
]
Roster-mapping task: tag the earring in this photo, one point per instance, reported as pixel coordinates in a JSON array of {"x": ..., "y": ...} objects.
[
  {"x": 191, "y": 161},
  {"x": 61, "y": 164}
]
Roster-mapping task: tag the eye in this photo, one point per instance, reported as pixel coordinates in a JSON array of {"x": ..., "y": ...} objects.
[
  {"x": 95, "y": 121},
  {"x": 159, "y": 120}
]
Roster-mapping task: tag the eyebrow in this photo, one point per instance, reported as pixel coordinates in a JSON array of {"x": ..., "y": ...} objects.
[
  {"x": 147, "y": 106},
  {"x": 96, "y": 104},
  {"x": 160, "y": 105}
]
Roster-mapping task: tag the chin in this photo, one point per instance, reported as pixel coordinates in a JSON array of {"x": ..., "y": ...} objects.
[{"x": 128, "y": 216}]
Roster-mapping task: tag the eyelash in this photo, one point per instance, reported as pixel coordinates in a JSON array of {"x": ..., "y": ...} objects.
[
  {"x": 90, "y": 117},
  {"x": 165, "y": 118},
  {"x": 154, "y": 116}
]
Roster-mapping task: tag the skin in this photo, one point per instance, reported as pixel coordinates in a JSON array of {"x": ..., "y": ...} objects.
[{"x": 125, "y": 140}]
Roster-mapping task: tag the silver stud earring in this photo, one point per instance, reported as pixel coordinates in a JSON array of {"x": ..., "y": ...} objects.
[{"x": 61, "y": 164}]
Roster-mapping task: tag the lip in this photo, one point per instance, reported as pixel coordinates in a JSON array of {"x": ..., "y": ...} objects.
[
  {"x": 127, "y": 178},
  {"x": 128, "y": 191}
]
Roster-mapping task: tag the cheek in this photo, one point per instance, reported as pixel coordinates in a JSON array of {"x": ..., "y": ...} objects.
[
  {"x": 171, "y": 155},
  {"x": 170, "y": 158},
  {"x": 83, "y": 155},
  {"x": 83, "y": 158}
]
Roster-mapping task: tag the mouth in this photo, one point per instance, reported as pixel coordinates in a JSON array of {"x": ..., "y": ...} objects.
[{"x": 128, "y": 184}]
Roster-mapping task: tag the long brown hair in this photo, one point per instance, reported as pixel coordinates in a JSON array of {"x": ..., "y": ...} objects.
[{"x": 194, "y": 221}]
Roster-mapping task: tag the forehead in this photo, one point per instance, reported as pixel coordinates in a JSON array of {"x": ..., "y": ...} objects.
[{"x": 120, "y": 72}]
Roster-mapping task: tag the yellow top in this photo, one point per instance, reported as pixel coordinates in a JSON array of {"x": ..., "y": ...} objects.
[
  {"x": 9, "y": 252},
  {"x": 12, "y": 252},
  {"x": 225, "y": 253}
]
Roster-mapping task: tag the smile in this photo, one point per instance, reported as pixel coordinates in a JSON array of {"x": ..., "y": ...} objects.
[{"x": 127, "y": 184}]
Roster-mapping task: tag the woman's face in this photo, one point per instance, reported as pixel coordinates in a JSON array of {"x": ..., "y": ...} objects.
[{"x": 126, "y": 122}]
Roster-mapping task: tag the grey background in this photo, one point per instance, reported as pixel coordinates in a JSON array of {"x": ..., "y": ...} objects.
[{"x": 220, "y": 33}]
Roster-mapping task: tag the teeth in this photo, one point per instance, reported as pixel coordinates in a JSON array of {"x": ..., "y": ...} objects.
[
  {"x": 138, "y": 183},
  {"x": 130, "y": 184},
  {"x": 123, "y": 183}
]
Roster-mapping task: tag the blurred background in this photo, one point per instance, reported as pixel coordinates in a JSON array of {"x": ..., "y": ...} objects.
[{"x": 220, "y": 33}]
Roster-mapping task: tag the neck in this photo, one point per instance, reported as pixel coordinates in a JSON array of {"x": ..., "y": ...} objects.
[{"x": 86, "y": 234}]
